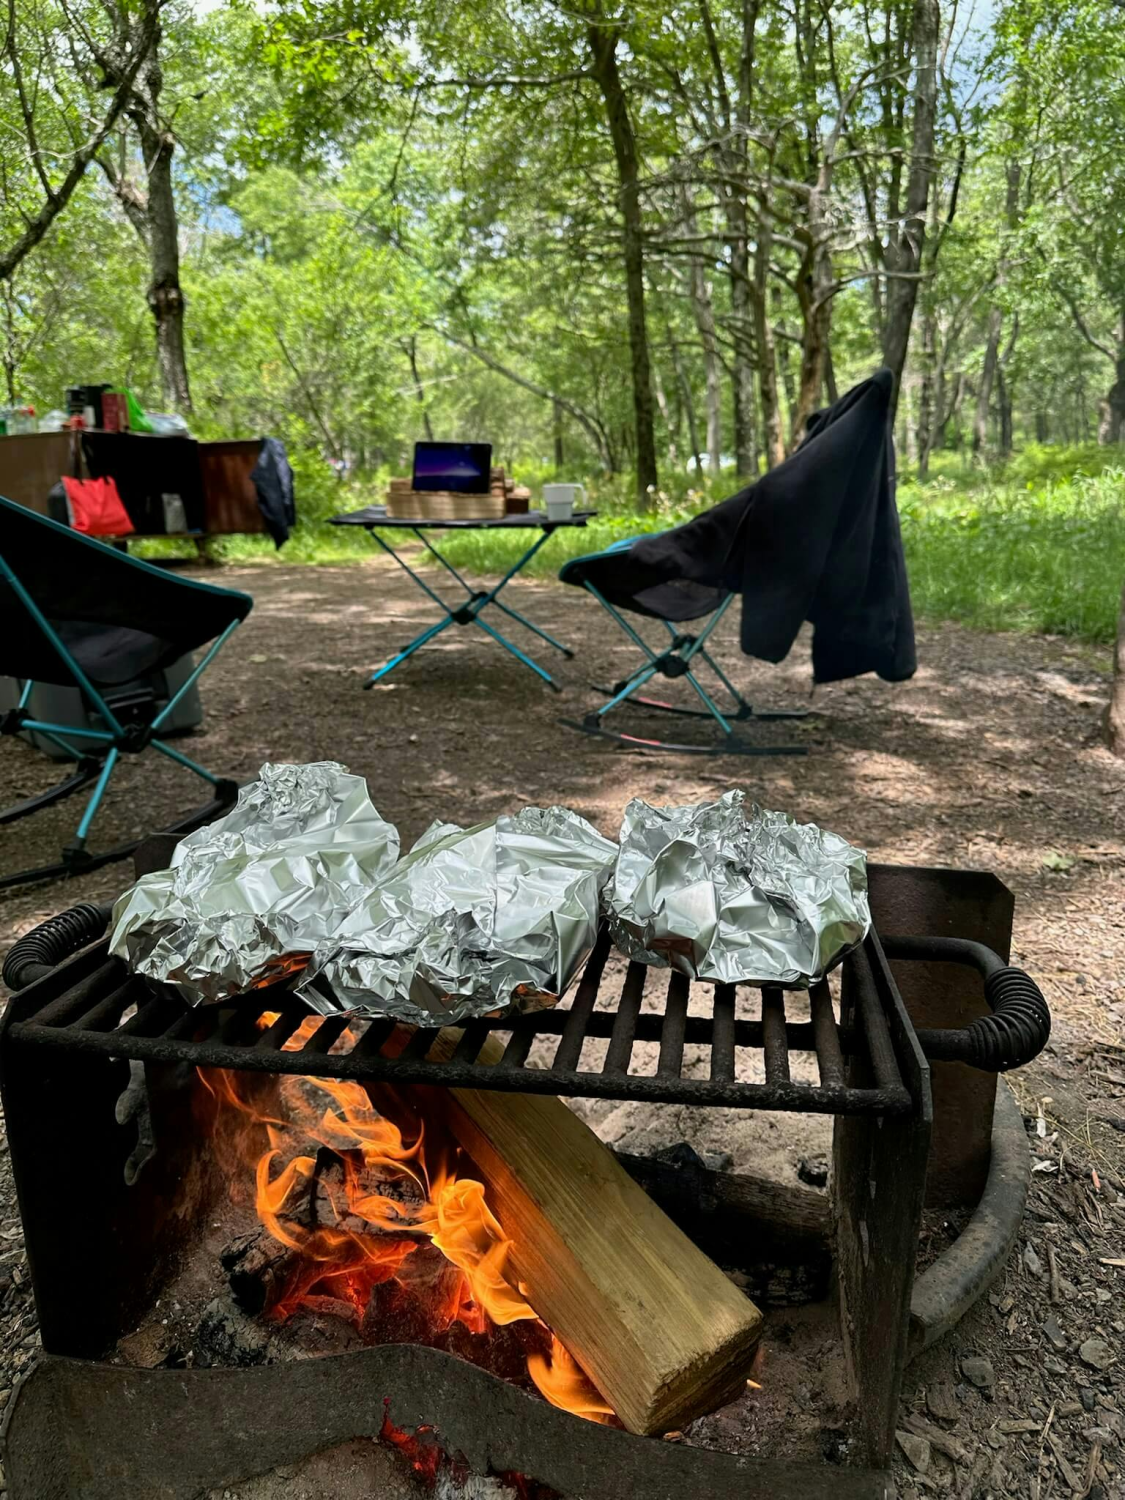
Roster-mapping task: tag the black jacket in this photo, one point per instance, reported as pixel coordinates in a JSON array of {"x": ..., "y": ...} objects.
[
  {"x": 273, "y": 480},
  {"x": 815, "y": 539}
]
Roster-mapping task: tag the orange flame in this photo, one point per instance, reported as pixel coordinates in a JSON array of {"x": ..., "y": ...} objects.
[
  {"x": 562, "y": 1380},
  {"x": 384, "y": 1196}
]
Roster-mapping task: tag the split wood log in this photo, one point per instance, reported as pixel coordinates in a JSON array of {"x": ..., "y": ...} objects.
[{"x": 657, "y": 1327}]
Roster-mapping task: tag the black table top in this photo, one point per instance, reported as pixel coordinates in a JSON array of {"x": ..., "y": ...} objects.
[{"x": 373, "y": 516}]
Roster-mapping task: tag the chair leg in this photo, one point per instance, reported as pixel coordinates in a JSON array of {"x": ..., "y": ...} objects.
[
  {"x": 185, "y": 761},
  {"x": 74, "y": 852}
]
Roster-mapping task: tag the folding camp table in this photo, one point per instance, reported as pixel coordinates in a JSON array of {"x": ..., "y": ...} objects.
[{"x": 376, "y": 520}]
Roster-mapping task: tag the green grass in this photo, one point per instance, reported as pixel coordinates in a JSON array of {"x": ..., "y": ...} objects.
[
  {"x": 1037, "y": 546},
  {"x": 1045, "y": 556}
]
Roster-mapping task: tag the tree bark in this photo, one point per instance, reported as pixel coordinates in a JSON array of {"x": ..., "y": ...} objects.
[
  {"x": 767, "y": 352},
  {"x": 411, "y": 346},
  {"x": 928, "y": 392},
  {"x": 603, "y": 39},
  {"x": 1004, "y": 402},
  {"x": 904, "y": 258},
  {"x": 687, "y": 404},
  {"x": 1115, "y": 714},
  {"x": 731, "y": 153},
  {"x": 557, "y": 434},
  {"x": 987, "y": 376},
  {"x": 153, "y": 212},
  {"x": 1111, "y": 420},
  {"x": 704, "y": 311}
]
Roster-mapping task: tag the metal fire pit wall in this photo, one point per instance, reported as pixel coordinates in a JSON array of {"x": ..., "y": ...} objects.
[{"x": 88, "y": 1033}]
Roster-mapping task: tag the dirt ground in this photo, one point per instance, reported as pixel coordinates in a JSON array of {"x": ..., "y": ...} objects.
[{"x": 990, "y": 758}]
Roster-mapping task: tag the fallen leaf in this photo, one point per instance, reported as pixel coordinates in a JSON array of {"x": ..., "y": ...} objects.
[
  {"x": 1096, "y": 1180},
  {"x": 1043, "y": 1165},
  {"x": 1057, "y": 863},
  {"x": 258, "y": 658}
]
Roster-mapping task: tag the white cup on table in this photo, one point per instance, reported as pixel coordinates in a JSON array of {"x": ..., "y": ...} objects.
[{"x": 560, "y": 500}]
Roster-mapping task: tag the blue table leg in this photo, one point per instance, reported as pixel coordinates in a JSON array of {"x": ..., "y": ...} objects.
[
  {"x": 519, "y": 655},
  {"x": 415, "y": 645},
  {"x": 543, "y": 635},
  {"x": 469, "y": 612}
]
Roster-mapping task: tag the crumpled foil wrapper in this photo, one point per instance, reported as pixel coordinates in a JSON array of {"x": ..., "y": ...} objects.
[
  {"x": 473, "y": 921},
  {"x": 734, "y": 895},
  {"x": 249, "y": 896}
]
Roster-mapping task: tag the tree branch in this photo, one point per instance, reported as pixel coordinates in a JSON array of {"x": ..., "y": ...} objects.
[{"x": 60, "y": 196}]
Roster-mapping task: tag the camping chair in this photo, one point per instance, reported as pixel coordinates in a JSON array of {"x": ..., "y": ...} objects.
[
  {"x": 675, "y": 603},
  {"x": 815, "y": 539},
  {"x": 76, "y": 613}
]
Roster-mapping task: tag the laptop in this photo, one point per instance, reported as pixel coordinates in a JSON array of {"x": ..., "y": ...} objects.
[{"x": 464, "y": 468}]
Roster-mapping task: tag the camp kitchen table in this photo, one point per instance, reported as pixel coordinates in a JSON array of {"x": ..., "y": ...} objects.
[{"x": 376, "y": 520}]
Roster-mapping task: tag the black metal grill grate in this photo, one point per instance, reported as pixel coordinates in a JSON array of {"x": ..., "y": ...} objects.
[{"x": 94, "y": 1005}]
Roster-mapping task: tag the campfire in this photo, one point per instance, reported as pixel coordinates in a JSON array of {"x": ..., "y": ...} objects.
[{"x": 370, "y": 1213}]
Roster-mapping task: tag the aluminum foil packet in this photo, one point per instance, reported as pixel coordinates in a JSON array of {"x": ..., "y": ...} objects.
[
  {"x": 473, "y": 921},
  {"x": 736, "y": 895},
  {"x": 250, "y": 896}
]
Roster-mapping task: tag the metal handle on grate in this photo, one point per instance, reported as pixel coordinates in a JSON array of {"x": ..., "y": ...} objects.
[{"x": 1020, "y": 1024}]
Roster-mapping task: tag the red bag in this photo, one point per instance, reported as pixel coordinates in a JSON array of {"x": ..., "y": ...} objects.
[{"x": 96, "y": 508}]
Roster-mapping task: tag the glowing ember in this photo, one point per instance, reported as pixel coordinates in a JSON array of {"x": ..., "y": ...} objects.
[{"x": 355, "y": 1199}]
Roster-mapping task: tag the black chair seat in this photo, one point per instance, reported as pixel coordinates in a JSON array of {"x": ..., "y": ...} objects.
[{"x": 111, "y": 655}]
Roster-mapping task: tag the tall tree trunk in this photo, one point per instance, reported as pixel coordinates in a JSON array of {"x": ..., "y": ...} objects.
[
  {"x": 9, "y": 341},
  {"x": 991, "y": 370},
  {"x": 603, "y": 39},
  {"x": 1111, "y": 422},
  {"x": 742, "y": 319},
  {"x": 411, "y": 346},
  {"x": 671, "y": 424},
  {"x": 1115, "y": 714},
  {"x": 704, "y": 311},
  {"x": 557, "y": 434},
  {"x": 165, "y": 296},
  {"x": 928, "y": 394},
  {"x": 815, "y": 296},
  {"x": 731, "y": 151},
  {"x": 987, "y": 376},
  {"x": 830, "y": 390},
  {"x": 1004, "y": 402},
  {"x": 904, "y": 258},
  {"x": 767, "y": 353},
  {"x": 687, "y": 404}
]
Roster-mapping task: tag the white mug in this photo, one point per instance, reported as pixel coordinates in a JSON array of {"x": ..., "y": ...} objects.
[{"x": 561, "y": 500}]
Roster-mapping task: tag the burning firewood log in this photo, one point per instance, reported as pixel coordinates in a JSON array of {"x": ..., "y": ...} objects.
[{"x": 654, "y": 1323}]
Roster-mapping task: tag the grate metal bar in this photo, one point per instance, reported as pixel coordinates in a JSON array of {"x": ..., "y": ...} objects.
[
  {"x": 586, "y": 997},
  {"x": 473, "y": 1039},
  {"x": 107, "y": 1013},
  {"x": 880, "y": 1048},
  {"x": 278, "y": 1032},
  {"x": 775, "y": 1041},
  {"x": 373, "y": 1040},
  {"x": 73, "y": 1002},
  {"x": 722, "y": 1035},
  {"x": 326, "y": 1035},
  {"x": 829, "y": 1057},
  {"x": 152, "y": 1019},
  {"x": 270, "y": 1032},
  {"x": 673, "y": 1024},
  {"x": 515, "y": 1053},
  {"x": 620, "y": 1049},
  {"x": 420, "y": 1043}
]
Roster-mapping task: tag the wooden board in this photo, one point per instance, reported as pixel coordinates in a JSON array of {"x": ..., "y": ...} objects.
[{"x": 663, "y": 1334}]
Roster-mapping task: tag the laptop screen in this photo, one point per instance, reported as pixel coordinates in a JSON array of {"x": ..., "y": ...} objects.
[{"x": 465, "y": 468}]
